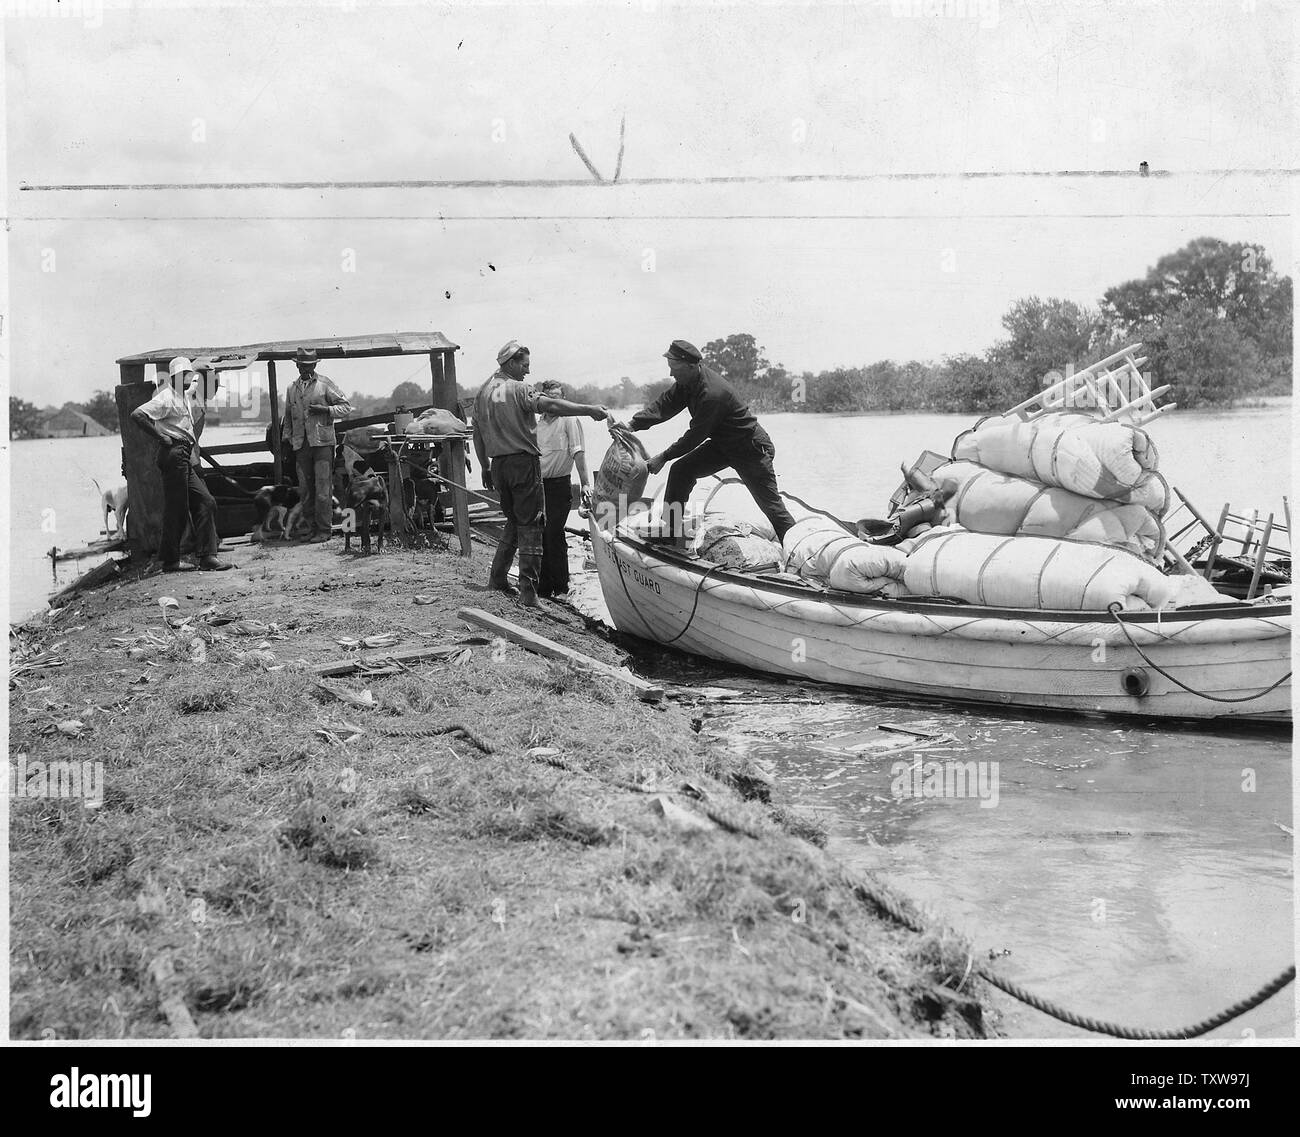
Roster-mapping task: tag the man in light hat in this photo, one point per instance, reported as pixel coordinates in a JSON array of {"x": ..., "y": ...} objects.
[
  {"x": 169, "y": 417},
  {"x": 505, "y": 439},
  {"x": 723, "y": 433},
  {"x": 312, "y": 405}
]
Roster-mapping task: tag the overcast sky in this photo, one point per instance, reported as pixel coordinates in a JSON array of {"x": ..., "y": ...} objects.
[{"x": 823, "y": 274}]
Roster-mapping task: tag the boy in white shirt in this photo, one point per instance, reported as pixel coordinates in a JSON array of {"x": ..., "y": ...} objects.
[{"x": 561, "y": 443}]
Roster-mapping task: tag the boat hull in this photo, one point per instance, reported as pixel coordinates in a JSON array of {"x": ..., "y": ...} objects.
[{"x": 1059, "y": 661}]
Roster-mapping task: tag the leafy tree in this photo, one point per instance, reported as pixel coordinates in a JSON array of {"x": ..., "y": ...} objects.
[
  {"x": 102, "y": 407},
  {"x": 24, "y": 418},
  {"x": 408, "y": 394},
  {"x": 1233, "y": 281},
  {"x": 1044, "y": 336},
  {"x": 738, "y": 357},
  {"x": 1204, "y": 357}
]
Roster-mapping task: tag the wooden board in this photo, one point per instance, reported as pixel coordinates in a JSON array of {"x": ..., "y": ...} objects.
[
  {"x": 531, "y": 641},
  {"x": 408, "y": 656}
]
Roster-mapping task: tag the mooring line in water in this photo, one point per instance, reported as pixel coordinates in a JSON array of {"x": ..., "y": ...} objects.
[
  {"x": 882, "y": 902},
  {"x": 1114, "y": 609}
]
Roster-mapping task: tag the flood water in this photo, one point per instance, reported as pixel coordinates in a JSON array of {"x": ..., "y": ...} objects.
[{"x": 1133, "y": 873}]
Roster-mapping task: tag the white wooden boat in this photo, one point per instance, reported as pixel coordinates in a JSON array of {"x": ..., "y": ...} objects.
[{"x": 1052, "y": 660}]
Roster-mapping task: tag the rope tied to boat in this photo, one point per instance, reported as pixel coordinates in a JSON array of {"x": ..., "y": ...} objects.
[
  {"x": 695, "y": 603},
  {"x": 1115, "y": 609},
  {"x": 890, "y": 907}
]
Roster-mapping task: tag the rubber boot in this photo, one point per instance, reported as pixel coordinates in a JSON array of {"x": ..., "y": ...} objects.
[
  {"x": 500, "y": 566},
  {"x": 530, "y": 567}
]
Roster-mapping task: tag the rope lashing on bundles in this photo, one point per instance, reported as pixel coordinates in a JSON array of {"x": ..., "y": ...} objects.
[
  {"x": 889, "y": 907},
  {"x": 1115, "y": 610}
]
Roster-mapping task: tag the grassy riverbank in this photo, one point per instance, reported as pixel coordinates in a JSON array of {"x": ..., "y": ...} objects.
[{"x": 268, "y": 860}]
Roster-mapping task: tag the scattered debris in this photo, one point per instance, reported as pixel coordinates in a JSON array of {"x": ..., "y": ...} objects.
[{"x": 678, "y": 816}]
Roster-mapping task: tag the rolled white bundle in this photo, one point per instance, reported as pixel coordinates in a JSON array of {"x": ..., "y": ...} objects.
[
  {"x": 985, "y": 501},
  {"x": 1110, "y": 461},
  {"x": 1034, "y": 572},
  {"x": 820, "y": 550}
]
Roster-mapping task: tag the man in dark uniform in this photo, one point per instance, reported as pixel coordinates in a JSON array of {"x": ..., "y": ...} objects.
[
  {"x": 505, "y": 439},
  {"x": 723, "y": 433}
]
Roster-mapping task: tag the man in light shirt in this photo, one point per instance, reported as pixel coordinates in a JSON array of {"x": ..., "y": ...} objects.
[
  {"x": 505, "y": 440},
  {"x": 169, "y": 417},
  {"x": 561, "y": 444},
  {"x": 312, "y": 405}
]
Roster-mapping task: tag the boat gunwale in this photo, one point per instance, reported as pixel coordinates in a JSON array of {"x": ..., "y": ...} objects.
[{"x": 925, "y": 605}]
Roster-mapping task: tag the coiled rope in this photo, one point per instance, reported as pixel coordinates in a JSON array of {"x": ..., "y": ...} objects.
[
  {"x": 884, "y": 903},
  {"x": 1114, "y": 609}
]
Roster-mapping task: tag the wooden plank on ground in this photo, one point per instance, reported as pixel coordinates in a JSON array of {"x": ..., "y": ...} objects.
[
  {"x": 531, "y": 641},
  {"x": 410, "y": 655}
]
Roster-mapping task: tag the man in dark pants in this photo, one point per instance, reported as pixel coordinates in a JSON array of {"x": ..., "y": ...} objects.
[
  {"x": 312, "y": 405},
  {"x": 562, "y": 447},
  {"x": 723, "y": 433},
  {"x": 169, "y": 417},
  {"x": 505, "y": 440}
]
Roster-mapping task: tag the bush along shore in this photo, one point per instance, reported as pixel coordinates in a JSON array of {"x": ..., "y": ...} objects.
[{"x": 209, "y": 838}]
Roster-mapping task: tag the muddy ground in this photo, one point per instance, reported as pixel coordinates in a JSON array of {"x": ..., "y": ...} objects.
[{"x": 270, "y": 860}]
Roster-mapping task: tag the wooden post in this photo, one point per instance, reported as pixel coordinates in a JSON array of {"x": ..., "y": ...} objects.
[
  {"x": 443, "y": 371},
  {"x": 277, "y": 462},
  {"x": 449, "y": 369},
  {"x": 400, "y": 523},
  {"x": 1218, "y": 536},
  {"x": 453, "y": 466},
  {"x": 134, "y": 373},
  {"x": 140, "y": 468},
  {"x": 1259, "y": 560}
]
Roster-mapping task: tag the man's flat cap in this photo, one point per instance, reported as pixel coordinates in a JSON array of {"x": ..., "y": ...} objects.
[
  {"x": 510, "y": 350},
  {"x": 686, "y": 352}
]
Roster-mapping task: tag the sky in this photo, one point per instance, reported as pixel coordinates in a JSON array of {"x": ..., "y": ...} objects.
[{"x": 598, "y": 278}]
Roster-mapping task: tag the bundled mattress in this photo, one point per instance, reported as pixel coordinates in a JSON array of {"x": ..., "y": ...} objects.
[
  {"x": 1034, "y": 572},
  {"x": 819, "y": 550},
  {"x": 737, "y": 545},
  {"x": 986, "y": 501},
  {"x": 1108, "y": 461}
]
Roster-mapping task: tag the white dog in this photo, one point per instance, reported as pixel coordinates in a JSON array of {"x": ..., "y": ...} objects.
[{"x": 114, "y": 502}]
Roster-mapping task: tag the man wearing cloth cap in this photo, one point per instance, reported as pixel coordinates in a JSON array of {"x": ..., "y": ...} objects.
[
  {"x": 723, "y": 433},
  {"x": 505, "y": 439},
  {"x": 312, "y": 405},
  {"x": 169, "y": 417}
]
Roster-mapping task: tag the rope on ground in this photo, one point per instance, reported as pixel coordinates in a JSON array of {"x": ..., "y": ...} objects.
[
  {"x": 1114, "y": 609},
  {"x": 883, "y": 902}
]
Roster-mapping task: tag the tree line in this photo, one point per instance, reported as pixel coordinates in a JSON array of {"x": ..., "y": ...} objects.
[{"x": 1214, "y": 319}]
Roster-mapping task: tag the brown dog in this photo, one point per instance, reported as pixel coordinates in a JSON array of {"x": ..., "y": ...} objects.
[{"x": 365, "y": 495}]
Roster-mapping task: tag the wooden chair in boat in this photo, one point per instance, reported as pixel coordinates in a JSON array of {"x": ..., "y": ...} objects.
[{"x": 1256, "y": 546}]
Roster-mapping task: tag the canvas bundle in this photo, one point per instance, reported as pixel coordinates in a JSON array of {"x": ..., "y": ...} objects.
[
  {"x": 986, "y": 501},
  {"x": 1105, "y": 460}
]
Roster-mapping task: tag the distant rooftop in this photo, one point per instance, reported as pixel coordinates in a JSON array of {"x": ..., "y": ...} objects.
[{"x": 332, "y": 347}]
